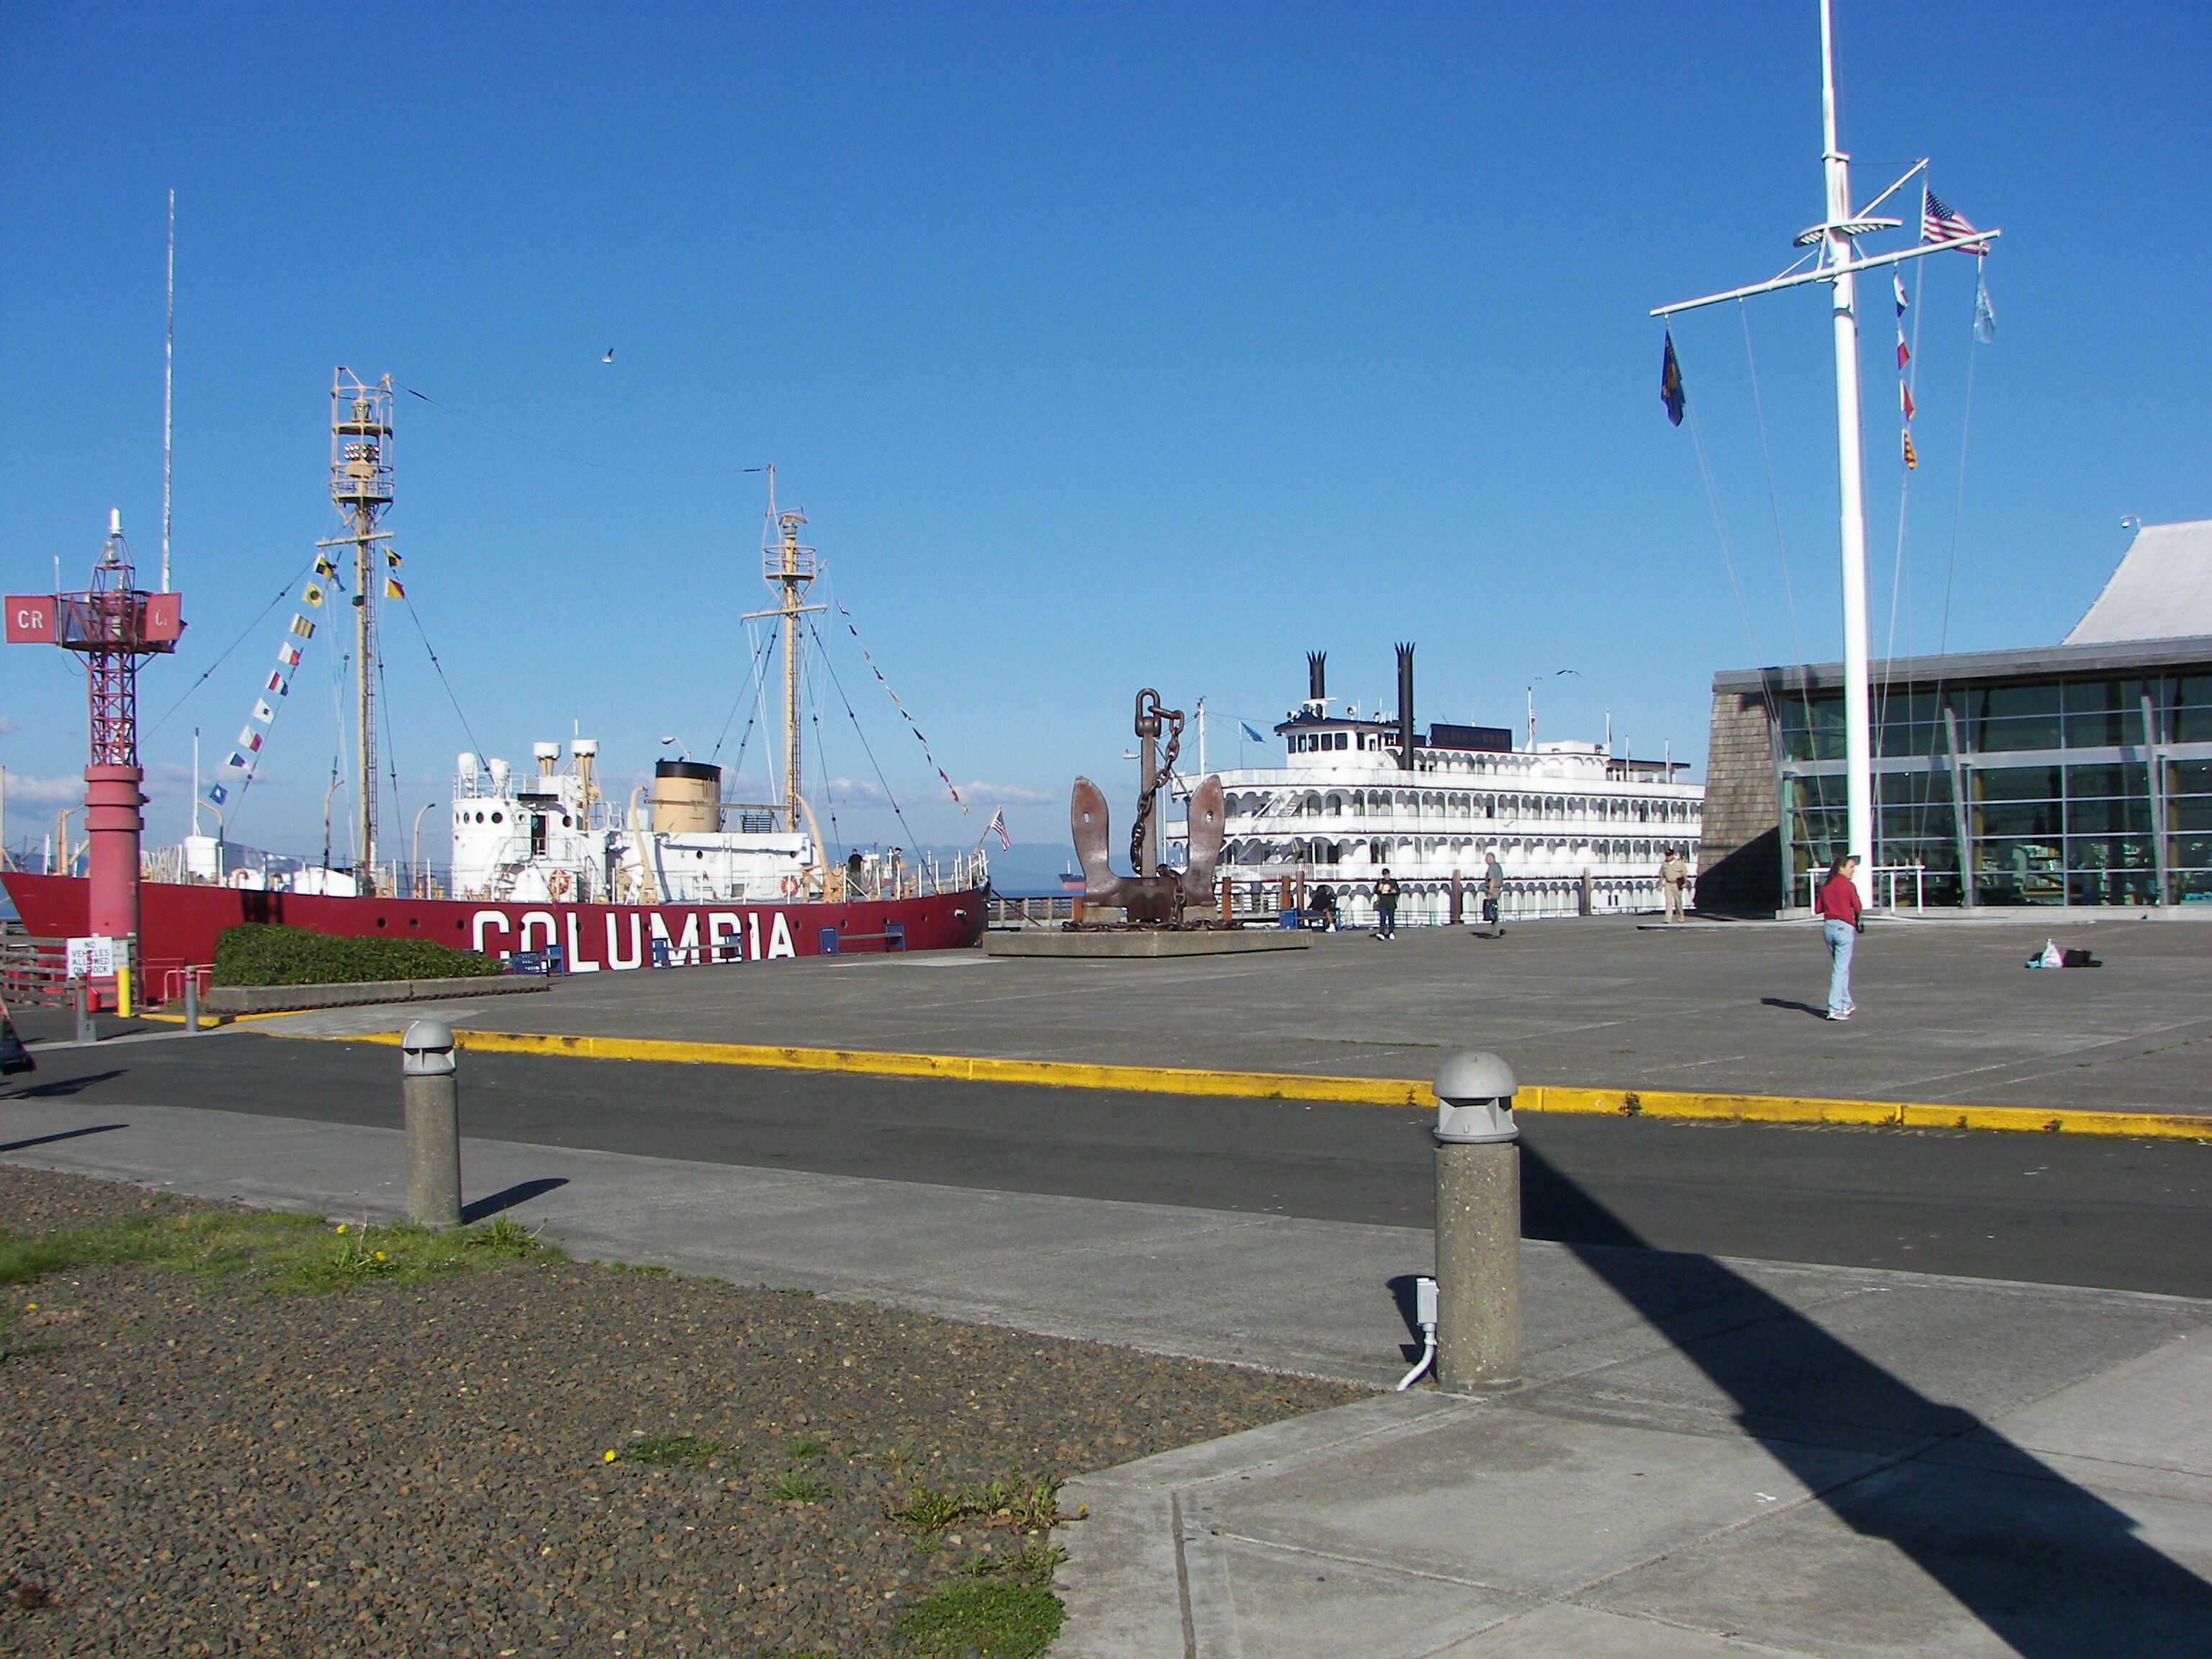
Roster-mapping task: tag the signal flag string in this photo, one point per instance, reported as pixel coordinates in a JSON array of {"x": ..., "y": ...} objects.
[{"x": 950, "y": 787}]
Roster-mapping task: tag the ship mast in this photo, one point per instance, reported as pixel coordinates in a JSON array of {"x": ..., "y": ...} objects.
[
  {"x": 361, "y": 486},
  {"x": 789, "y": 569},
  {"x": 1838, "y": 265}
]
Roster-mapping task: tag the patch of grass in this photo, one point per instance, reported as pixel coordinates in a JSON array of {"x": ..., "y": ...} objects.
[
  {"x": 983, "y": 1618},
  {"x": 807, "y": 1445},
  {"x": 268, "y": 1248},
  {"x": 1020, "y": 1505},
  {"x": 503, "y": 1236},
  {"x": 669, "y": 1449},
  {"x": 797, "y": 1487}
]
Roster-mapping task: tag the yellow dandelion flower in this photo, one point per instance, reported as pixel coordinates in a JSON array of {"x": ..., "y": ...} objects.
[
  {"x": 610, "y": 1457},
  {"x": 342, "y": 1227},
  {"x": 379, "y": 1255}
]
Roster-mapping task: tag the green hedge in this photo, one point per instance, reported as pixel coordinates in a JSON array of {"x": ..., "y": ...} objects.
[{"x": 261, "y": 954}]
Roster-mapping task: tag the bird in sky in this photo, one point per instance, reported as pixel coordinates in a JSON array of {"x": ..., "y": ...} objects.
[{"x": 610, "y": 358}]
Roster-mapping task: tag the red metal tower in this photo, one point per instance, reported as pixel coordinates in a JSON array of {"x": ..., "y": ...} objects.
[{"x": 113, "y": 624}]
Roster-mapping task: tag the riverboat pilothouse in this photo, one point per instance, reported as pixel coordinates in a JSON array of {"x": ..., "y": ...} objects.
[
  {"x": 543, "y": 866},
  {"x": 1577, "y": 829}
]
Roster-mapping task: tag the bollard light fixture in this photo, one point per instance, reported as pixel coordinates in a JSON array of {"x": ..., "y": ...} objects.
[
  {"x": 1474, "y": 1099},
  {"x": 427, "y": 1048}
]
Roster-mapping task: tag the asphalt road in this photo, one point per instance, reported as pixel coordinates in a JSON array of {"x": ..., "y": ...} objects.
[{"x": 2120, "y": 1214}]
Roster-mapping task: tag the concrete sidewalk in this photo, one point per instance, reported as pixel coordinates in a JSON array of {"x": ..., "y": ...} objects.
[{"x": 1710, "y": 1456}]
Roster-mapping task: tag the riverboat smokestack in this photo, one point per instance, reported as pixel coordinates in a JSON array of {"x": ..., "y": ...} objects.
[
  {"x": 1316, "y": 675},
  {"x": 1406, "y": 706}
]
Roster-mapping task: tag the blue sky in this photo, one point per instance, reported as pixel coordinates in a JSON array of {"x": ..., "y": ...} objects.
[{"x": 1105, "y": 346}]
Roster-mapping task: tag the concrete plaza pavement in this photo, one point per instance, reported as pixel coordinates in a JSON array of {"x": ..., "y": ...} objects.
[
  {"x": 1948, "y": 1013},
  {"x": 1710, "y": 1456}
]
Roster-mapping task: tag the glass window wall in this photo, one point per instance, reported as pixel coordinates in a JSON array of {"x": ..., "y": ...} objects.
[{"x": 2079, "y": 832}]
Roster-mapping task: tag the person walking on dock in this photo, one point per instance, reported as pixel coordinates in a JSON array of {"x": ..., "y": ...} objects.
[
  {"x": 1674, "y": 876},
  {"x": 1493, "y": 895},
  {"x": 1842, "y": 921},
  {"x": 1386, "y": 906}
]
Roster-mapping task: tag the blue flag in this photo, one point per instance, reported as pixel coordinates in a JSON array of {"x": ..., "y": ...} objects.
[
  {"x": 1249, "y": 733},
  {"x": 1985, "y": 316},
  {"x": 1670, "y": 382}
]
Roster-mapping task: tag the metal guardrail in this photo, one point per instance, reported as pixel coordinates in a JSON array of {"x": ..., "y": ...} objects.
[
  {"x": 1038, "y": 911},
  {"x": 34, "y": 972}
]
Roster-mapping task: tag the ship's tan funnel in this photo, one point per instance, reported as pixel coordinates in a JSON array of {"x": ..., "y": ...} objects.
[{"x": 687, "y": 798}]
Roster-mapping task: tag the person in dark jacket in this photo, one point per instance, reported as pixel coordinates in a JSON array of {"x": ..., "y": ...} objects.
[
  {"x": 1386, "y": 906},
  {"x": 1842, "y": 921}
]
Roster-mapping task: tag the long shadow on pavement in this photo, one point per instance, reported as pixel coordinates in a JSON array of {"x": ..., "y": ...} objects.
[
  {"x": 60, "y": 1135},
  {"x": 2049, "y": 1568},
  {"x": 521, "y": 1193}
]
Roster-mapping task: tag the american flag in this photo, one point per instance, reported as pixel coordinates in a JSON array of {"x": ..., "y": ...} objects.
[
  {"x": 997, "y": 826},
  {"x": 1940, "y": 223}
]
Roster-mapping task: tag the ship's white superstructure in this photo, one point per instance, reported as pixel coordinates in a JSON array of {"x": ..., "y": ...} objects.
[
  {"x": 1577, "y": 830},
  {"x": 549, "y": 835}
]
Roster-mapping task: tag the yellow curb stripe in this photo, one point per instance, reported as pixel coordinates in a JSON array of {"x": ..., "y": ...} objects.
[{"x": 1404, "y": 1093}]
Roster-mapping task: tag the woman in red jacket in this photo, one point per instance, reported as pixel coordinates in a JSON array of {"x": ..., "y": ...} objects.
[{"x": 1842, "y": 921}]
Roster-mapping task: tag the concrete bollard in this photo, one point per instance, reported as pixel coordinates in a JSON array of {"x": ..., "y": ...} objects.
[
  {"x": 86, "y": 1030},
  {"x": 192, "y": 1004},
  {"x": 1478, "y": 1224},
  {"x": 432, "y": 1098}
]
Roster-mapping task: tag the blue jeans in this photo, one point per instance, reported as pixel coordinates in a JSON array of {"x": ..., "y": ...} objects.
[
  {"x": 1386, "y": 919},
  {"x": 1841, "y": 936}
]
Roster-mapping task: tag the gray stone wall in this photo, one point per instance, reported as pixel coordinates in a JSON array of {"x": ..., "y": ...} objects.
[{"x": 1740, "y": 865}]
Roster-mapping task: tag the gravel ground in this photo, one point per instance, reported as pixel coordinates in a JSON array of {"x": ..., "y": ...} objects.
[{"x": 422, "y": 1470}]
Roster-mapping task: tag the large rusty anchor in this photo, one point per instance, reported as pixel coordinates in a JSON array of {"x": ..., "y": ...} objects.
[{"x": 1155, "y": 896}]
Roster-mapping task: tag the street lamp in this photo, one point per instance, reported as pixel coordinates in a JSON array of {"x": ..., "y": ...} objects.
[{"x": 415, "y": 883}]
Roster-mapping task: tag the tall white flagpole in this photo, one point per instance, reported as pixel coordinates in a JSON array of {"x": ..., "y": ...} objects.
[
  {"x": 169, "y": 392},
  {"x": 1851, "y": 463}
]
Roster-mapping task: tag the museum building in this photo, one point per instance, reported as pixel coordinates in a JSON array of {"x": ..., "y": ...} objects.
[{"x": 2079, "y": 774}]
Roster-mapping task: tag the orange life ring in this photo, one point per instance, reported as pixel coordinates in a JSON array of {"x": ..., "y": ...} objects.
[
  {"x": 557, "y": 885},
  {"x": 790, "y": 886}
]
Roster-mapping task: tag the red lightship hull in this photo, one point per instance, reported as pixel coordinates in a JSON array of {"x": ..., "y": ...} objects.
[{"x": 178, "y": 924}]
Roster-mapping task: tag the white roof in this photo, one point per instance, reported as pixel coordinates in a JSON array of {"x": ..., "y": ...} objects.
[{"x": 2162, "y": 590}]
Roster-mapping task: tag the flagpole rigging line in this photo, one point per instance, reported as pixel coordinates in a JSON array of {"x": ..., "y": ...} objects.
[
  {"x": 1727, "y": 556},
  {"x": 408, "y": 605},
  {"x": 1898, "y": 589},
  {"x": 753, "y": 666},
  {"x": 866, "y": 747},
  {"x": 764, "y": 640},
  {"x": 1774, "y": 507}
]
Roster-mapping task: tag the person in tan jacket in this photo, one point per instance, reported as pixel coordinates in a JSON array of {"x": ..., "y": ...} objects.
[{"x": 1674, "y": 879}]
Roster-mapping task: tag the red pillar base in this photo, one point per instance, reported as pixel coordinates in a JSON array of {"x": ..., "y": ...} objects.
[{"x": 112, "y": 800}]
